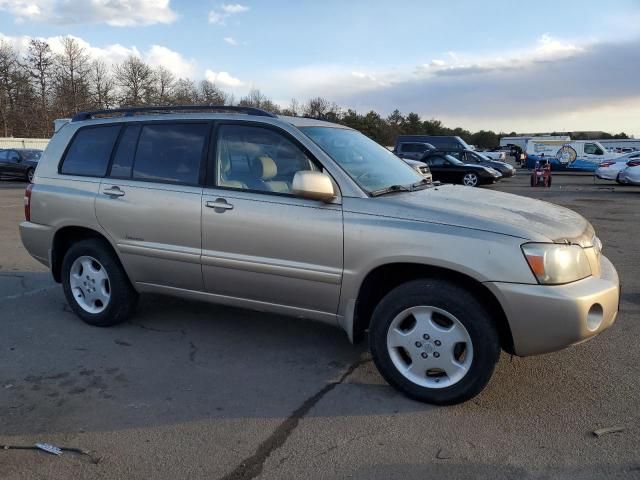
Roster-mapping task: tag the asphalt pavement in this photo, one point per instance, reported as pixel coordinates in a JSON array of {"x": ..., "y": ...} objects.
[{"x": 193, "y": 390}]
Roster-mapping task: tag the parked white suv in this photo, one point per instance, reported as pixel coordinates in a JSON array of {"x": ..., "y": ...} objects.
[{"x": 312, "y": 219}]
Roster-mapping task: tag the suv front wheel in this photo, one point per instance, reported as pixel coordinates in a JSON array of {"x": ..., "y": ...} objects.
[
  {"x": 95, "y": 284},
  {"x": 434, "y": 341}
]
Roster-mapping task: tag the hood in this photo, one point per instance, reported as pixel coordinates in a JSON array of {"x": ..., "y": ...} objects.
[{"x": 480, "y": 209}]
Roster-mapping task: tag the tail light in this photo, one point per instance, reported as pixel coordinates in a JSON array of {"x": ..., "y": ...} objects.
[
  {"x": 607, "y": 164},
  {"x": 27, "y": 202},
  {"x": 633, "y": 163}
]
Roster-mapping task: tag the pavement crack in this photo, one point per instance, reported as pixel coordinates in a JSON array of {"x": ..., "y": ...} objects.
[
  {"x": 252, "y": 466},
  {"x": 192, "y": 351}
]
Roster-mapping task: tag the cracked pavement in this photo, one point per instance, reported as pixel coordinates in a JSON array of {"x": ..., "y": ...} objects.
[{"x": 192, "y": 390}]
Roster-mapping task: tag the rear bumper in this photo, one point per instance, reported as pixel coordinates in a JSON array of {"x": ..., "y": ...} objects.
[
  {"x": 37, "y": 239},
  {"x": 547, "y": 318}
]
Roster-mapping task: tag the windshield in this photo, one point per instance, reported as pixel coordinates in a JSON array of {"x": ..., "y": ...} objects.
[
  {"x": 371, "y": 166},
  {"x": 31, "y": 155}
]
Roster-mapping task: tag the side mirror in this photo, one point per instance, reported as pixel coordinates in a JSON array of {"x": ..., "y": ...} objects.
[{"x": 313, "y": 185}]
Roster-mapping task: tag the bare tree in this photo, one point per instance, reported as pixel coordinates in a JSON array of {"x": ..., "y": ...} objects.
[
  {"x": 165, "y": 83},
  {"x": 209, "y": 94},
  {"x": 102, "y": 85},
  {"x": 321, "y": 108},
  {"x": 185, "y": 92},
  {"x": 40, "y": 62},
  {"x": 8, "y": 67},
  {"x": 255, "y": 98},
  {"x": 136, "y": 81},
  {"x": 72, "y": 82}
]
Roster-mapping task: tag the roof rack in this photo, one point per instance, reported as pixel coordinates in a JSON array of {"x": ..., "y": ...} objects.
[{"x": 129, "y": 112}]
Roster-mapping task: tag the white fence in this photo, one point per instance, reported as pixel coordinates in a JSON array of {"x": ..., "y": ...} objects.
[{"x": 10, "y": 142}]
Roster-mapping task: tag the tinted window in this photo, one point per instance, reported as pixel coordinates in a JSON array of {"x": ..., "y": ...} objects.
[
  {"x": 255, "y": 158},
  {"x": 14, "y": 157},
  {"x": 413, "y": 147},
  {"x": 593, "y": 149},
  {"x": 437, "y": 161},
  {"x": 125, "y": 151},
  {"x": 170, "y": 152},
  {"x": 90, "y": 151},
  {"x": 3, "y": 155}
]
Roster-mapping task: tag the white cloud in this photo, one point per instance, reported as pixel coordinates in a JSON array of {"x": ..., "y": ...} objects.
[
  {"x": 234, "y": 8},
  {"x": 156, "y": 55},
  {"x": 223, "y": 79},
  {"x": 231, "y": 41},
  {"x": 173, "y": 61},
  {"x": 117, "y": 13},
  {"x": 218, "y": 17}
]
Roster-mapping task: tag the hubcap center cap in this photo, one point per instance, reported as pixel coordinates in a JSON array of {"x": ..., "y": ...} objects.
[{"x": 428, "y": 347}]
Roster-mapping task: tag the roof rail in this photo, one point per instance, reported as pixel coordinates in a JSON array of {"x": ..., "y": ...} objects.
[{"x": 131, "y": 111}]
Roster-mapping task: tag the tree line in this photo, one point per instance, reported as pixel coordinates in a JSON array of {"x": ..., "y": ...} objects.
[{"x": 40, "y": 86}]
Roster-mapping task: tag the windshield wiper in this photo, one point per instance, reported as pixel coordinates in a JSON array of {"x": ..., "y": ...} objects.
[
  {"x": 421, "y": 183},
  {"x": 390, "y": 189}
]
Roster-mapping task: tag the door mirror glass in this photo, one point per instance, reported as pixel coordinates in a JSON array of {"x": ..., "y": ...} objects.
[{"x": 313, "y": 185}]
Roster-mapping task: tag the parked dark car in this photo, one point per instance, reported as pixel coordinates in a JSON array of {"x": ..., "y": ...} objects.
[
  {"x": 444, "y": 143},
  {"x": 472, "y": 157},
  {"x": 412, "y": 150},
  {"x": 19, "y": 163},
  {"x": 448, "y": 169}
]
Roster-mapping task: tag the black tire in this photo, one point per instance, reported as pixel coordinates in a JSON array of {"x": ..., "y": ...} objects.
[
  {"x": 29, "y": 175},
  {"x": 468, "y": 311},
  {"x": 124, "y": 298}
]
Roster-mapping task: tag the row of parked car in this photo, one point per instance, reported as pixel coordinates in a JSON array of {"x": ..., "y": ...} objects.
[
  {"x": 19, "y": 163},
  {"x": 450, "y": 160},
  {"x": 624, "y": 169}
]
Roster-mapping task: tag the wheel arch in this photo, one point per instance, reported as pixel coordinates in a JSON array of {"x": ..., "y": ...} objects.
[
  {"x": 383, "y": 278},
  {"x": 65, "y": 237}
]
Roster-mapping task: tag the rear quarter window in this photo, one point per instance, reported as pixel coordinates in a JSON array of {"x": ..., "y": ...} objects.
[{"x": 89, "y": 152}]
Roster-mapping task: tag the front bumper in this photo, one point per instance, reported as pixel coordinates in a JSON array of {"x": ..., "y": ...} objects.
[{"x": 545, "y": 318}]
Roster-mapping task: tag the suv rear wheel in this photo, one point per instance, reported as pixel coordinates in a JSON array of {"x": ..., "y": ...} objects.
[
  {"x": 95, "y": 284},
  {"x": 434, "y": 341}
]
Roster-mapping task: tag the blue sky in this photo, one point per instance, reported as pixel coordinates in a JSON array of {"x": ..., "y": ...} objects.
[{"x": 501, "y": 64}]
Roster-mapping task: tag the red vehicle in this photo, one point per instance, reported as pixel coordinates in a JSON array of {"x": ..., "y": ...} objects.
[{"x": 541, "y": 175}]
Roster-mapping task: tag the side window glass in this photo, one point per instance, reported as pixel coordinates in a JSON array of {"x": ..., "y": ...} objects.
[
  {"x": 125, "y": 151},
  {"x": 170, "y": 153},
  {"x": 590, "y": 149},
  {"x": 260, "y": 159},
  {"x": 3, "y": 155},
  {"x": 90, "y": 151},
  {"x": 14, "y": 157}
]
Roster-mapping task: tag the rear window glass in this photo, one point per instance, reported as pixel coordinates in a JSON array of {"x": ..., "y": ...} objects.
[
  {"x": 170, "y": 153},
  {"x": 125, "y": 151},
  {"x": 90, "y": 151}
]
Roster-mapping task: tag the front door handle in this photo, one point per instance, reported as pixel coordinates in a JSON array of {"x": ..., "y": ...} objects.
[
  {"x": 219, "y": 205},
  {"x": 113, "y": 192}
]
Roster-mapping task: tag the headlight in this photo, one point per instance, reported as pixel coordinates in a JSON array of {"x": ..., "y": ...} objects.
[{"x": 554, "y": 264}]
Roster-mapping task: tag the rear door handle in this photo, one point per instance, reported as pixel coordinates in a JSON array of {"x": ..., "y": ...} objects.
[
  {"x": 219, "y": 204},
  {"x": 113, "y": 192}
]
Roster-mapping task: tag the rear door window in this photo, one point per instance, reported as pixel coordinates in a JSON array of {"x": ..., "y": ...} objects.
[
  {"x": 89, "y": 152},
  {"x": 170, "y": 153}
]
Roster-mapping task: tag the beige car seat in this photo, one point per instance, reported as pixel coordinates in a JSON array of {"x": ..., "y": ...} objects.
[{"x": 265, "y": 168}]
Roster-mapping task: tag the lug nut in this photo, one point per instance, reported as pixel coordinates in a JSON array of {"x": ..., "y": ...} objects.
[
  {"x": 425, "y": 336},
  {"x": 438, "y": 343},
  {"x": 424, "y": 355},
  {"x": 436, "y": 354},
  {"x": 418, "y": 344}
]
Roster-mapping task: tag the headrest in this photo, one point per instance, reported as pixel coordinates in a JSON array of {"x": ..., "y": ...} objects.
[{"x": 264, "y": 167}]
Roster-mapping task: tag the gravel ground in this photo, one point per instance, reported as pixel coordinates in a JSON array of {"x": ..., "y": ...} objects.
[{"x": 191, "y": 390}]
